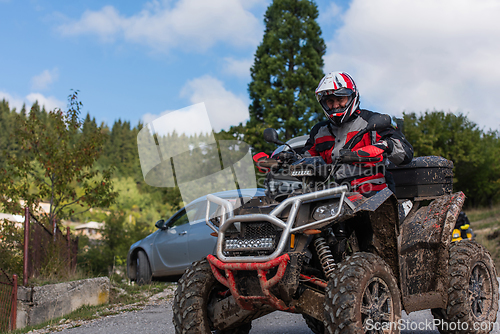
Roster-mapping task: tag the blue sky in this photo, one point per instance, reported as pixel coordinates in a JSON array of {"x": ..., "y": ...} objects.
[{"x": 136, "y": 60}]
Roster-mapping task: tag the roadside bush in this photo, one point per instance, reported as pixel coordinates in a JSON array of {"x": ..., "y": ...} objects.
[
  {"x": 98, "y": 257},
  {"x": 11, "y": 248}
]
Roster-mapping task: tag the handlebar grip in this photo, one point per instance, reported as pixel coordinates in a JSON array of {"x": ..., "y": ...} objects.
[{"x": 352, "y": 157}]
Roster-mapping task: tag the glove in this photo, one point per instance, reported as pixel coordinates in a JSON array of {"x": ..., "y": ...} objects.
[
  {"x": 386, "y": 145},
  {"x": 370, "y": 151},
  {"x": 258, "y": 157}
]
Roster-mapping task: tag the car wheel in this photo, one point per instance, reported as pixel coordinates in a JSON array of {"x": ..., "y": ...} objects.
[
  {"x": 196, "y": 289},
  {"x": 472, "y": 292},
  {"x": 143, "y": 269},
  {"x": 362, "y": 296}
]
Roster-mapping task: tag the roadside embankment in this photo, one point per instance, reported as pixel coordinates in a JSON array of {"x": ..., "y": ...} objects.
[{"x": 38, "y": 304}]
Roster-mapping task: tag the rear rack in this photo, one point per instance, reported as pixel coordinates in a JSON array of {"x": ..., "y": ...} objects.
[{"x": 227, "y": 219}]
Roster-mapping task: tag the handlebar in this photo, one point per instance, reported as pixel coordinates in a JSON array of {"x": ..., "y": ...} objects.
[
  {"x": 268, "y": 163},
  {"x": 351, "y": 157}
]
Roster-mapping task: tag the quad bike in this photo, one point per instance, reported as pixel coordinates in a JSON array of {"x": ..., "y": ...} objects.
[
  {"x": 462, "y": 230},
  {"x": 347, "y": 263}
]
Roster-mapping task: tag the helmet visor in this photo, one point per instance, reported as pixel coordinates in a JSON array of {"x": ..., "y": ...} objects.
[
  {"x": 339, "y": 110},
  {"x": 343, "y": 92}
]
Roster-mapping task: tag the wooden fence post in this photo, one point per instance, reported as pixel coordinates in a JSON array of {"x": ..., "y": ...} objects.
[{"x": 26, "y": 245}]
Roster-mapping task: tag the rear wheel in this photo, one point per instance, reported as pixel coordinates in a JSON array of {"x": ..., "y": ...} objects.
[
  {"x": 362, "y": 296},
  {"x": 473, "y": 291},
  {"x": 143, "y": 269},
  {"x": 196, "y": 289}
]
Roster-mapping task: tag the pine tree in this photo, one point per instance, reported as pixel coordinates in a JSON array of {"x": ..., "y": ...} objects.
[{"x": 287, "y": 68}]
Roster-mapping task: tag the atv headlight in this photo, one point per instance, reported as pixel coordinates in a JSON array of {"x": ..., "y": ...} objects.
[
  {"x": 249, "y": 244},
  {"x": 325, "y": 211}
]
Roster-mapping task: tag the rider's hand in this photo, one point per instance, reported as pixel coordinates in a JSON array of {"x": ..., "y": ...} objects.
[
  {"x": 370, "y": 151},
  {"x": 386, "y": 145}
]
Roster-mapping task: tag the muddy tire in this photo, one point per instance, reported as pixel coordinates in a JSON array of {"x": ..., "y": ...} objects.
[
  {"x": 314, "y": 324},
  {"x": 362, "y": 296},
  {"x": 194, "y": 292},
  {"x": 472, "y": 290},
  {"x": 143, "y": 269}
]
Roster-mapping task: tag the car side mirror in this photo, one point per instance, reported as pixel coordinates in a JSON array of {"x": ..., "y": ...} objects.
[
  {"x": 160, "y": 224},
  {"x": 271, "y": 136},
  {"x": 379, "y": 122}
]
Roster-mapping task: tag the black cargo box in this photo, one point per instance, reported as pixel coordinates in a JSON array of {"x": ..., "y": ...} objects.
[{"x": 424, "y": 177}]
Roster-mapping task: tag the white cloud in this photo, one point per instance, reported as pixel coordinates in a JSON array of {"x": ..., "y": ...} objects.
[
  {"x": 14, "y": 101},
  {"x": 422, "y": 55},
  {"x": 44, "y": 79},
  {"x": 49, "y": 102},
  {"x": 190, "y": 24},
  {"x": 189, "y": 121},
  {"x": 238, "y": 67},
  {"x": 17, "y": 102},
  {"x": 223, "y": 107}
]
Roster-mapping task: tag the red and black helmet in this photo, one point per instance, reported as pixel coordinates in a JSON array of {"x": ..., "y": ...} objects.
[{"x": 338, "y": 84}]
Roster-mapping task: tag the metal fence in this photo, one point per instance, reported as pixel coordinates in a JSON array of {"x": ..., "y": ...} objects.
[
  {"x": 8, "y": 302},
  {"x": 44, "y": 248}
]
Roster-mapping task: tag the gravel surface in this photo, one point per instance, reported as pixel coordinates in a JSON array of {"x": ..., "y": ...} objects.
[{"x": 155, "y": 316}]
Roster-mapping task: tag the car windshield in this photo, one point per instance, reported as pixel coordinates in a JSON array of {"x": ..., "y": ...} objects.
[{"x": 183, "y": 216}]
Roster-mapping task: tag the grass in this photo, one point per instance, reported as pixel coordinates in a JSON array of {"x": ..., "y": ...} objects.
[
  {"x": 52, "y": 278},
  {"x": 483, "y": 213},
  {"x": 121, "y": 294},
  {"x": 485, "y": 223}
]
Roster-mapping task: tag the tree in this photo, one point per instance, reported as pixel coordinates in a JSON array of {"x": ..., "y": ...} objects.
[
  {"x": 475, "y": 154},
  {"x": 287, "y": 68},
  {"x": 55, "y": 164},
  {"x": 120, "y": 149}
]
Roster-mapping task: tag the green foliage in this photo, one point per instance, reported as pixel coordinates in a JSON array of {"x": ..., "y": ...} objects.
[
  {"x": 55, "y": 163},
  {"x": 11, "y": 248},
  {"x": 120, "y": 149},
  {"x": 120, "y": 231},
  {"x": 475, "y": 154},
  {"x": 287, "y": 68}
]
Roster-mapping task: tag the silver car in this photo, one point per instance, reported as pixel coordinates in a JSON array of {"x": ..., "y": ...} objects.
[{"x": 178, "y": 242}]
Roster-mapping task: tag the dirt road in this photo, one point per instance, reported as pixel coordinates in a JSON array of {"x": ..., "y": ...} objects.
[{"x": 156, "y": 317}]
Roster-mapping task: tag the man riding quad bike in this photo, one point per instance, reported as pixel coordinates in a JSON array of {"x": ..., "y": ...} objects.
[{"x": 348, "y": 257}]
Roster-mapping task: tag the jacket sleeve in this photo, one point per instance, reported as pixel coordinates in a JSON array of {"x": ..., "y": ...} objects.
[
  {"x": 398, "y": 149},
  {"x": 310, "y": 148}
]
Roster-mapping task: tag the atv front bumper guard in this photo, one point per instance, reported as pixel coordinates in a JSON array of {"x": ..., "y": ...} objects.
[
  {"x": 227, "y": 219},
  {"x": 247, "y": 302}
]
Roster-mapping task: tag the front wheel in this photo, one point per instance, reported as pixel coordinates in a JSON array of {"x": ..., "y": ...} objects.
[
  {"x": 362, "y": 296},
  {"x": 473, "y": 291},
  {"x": 196, "y": 289},
  {"x": 143, "y": 269}
]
